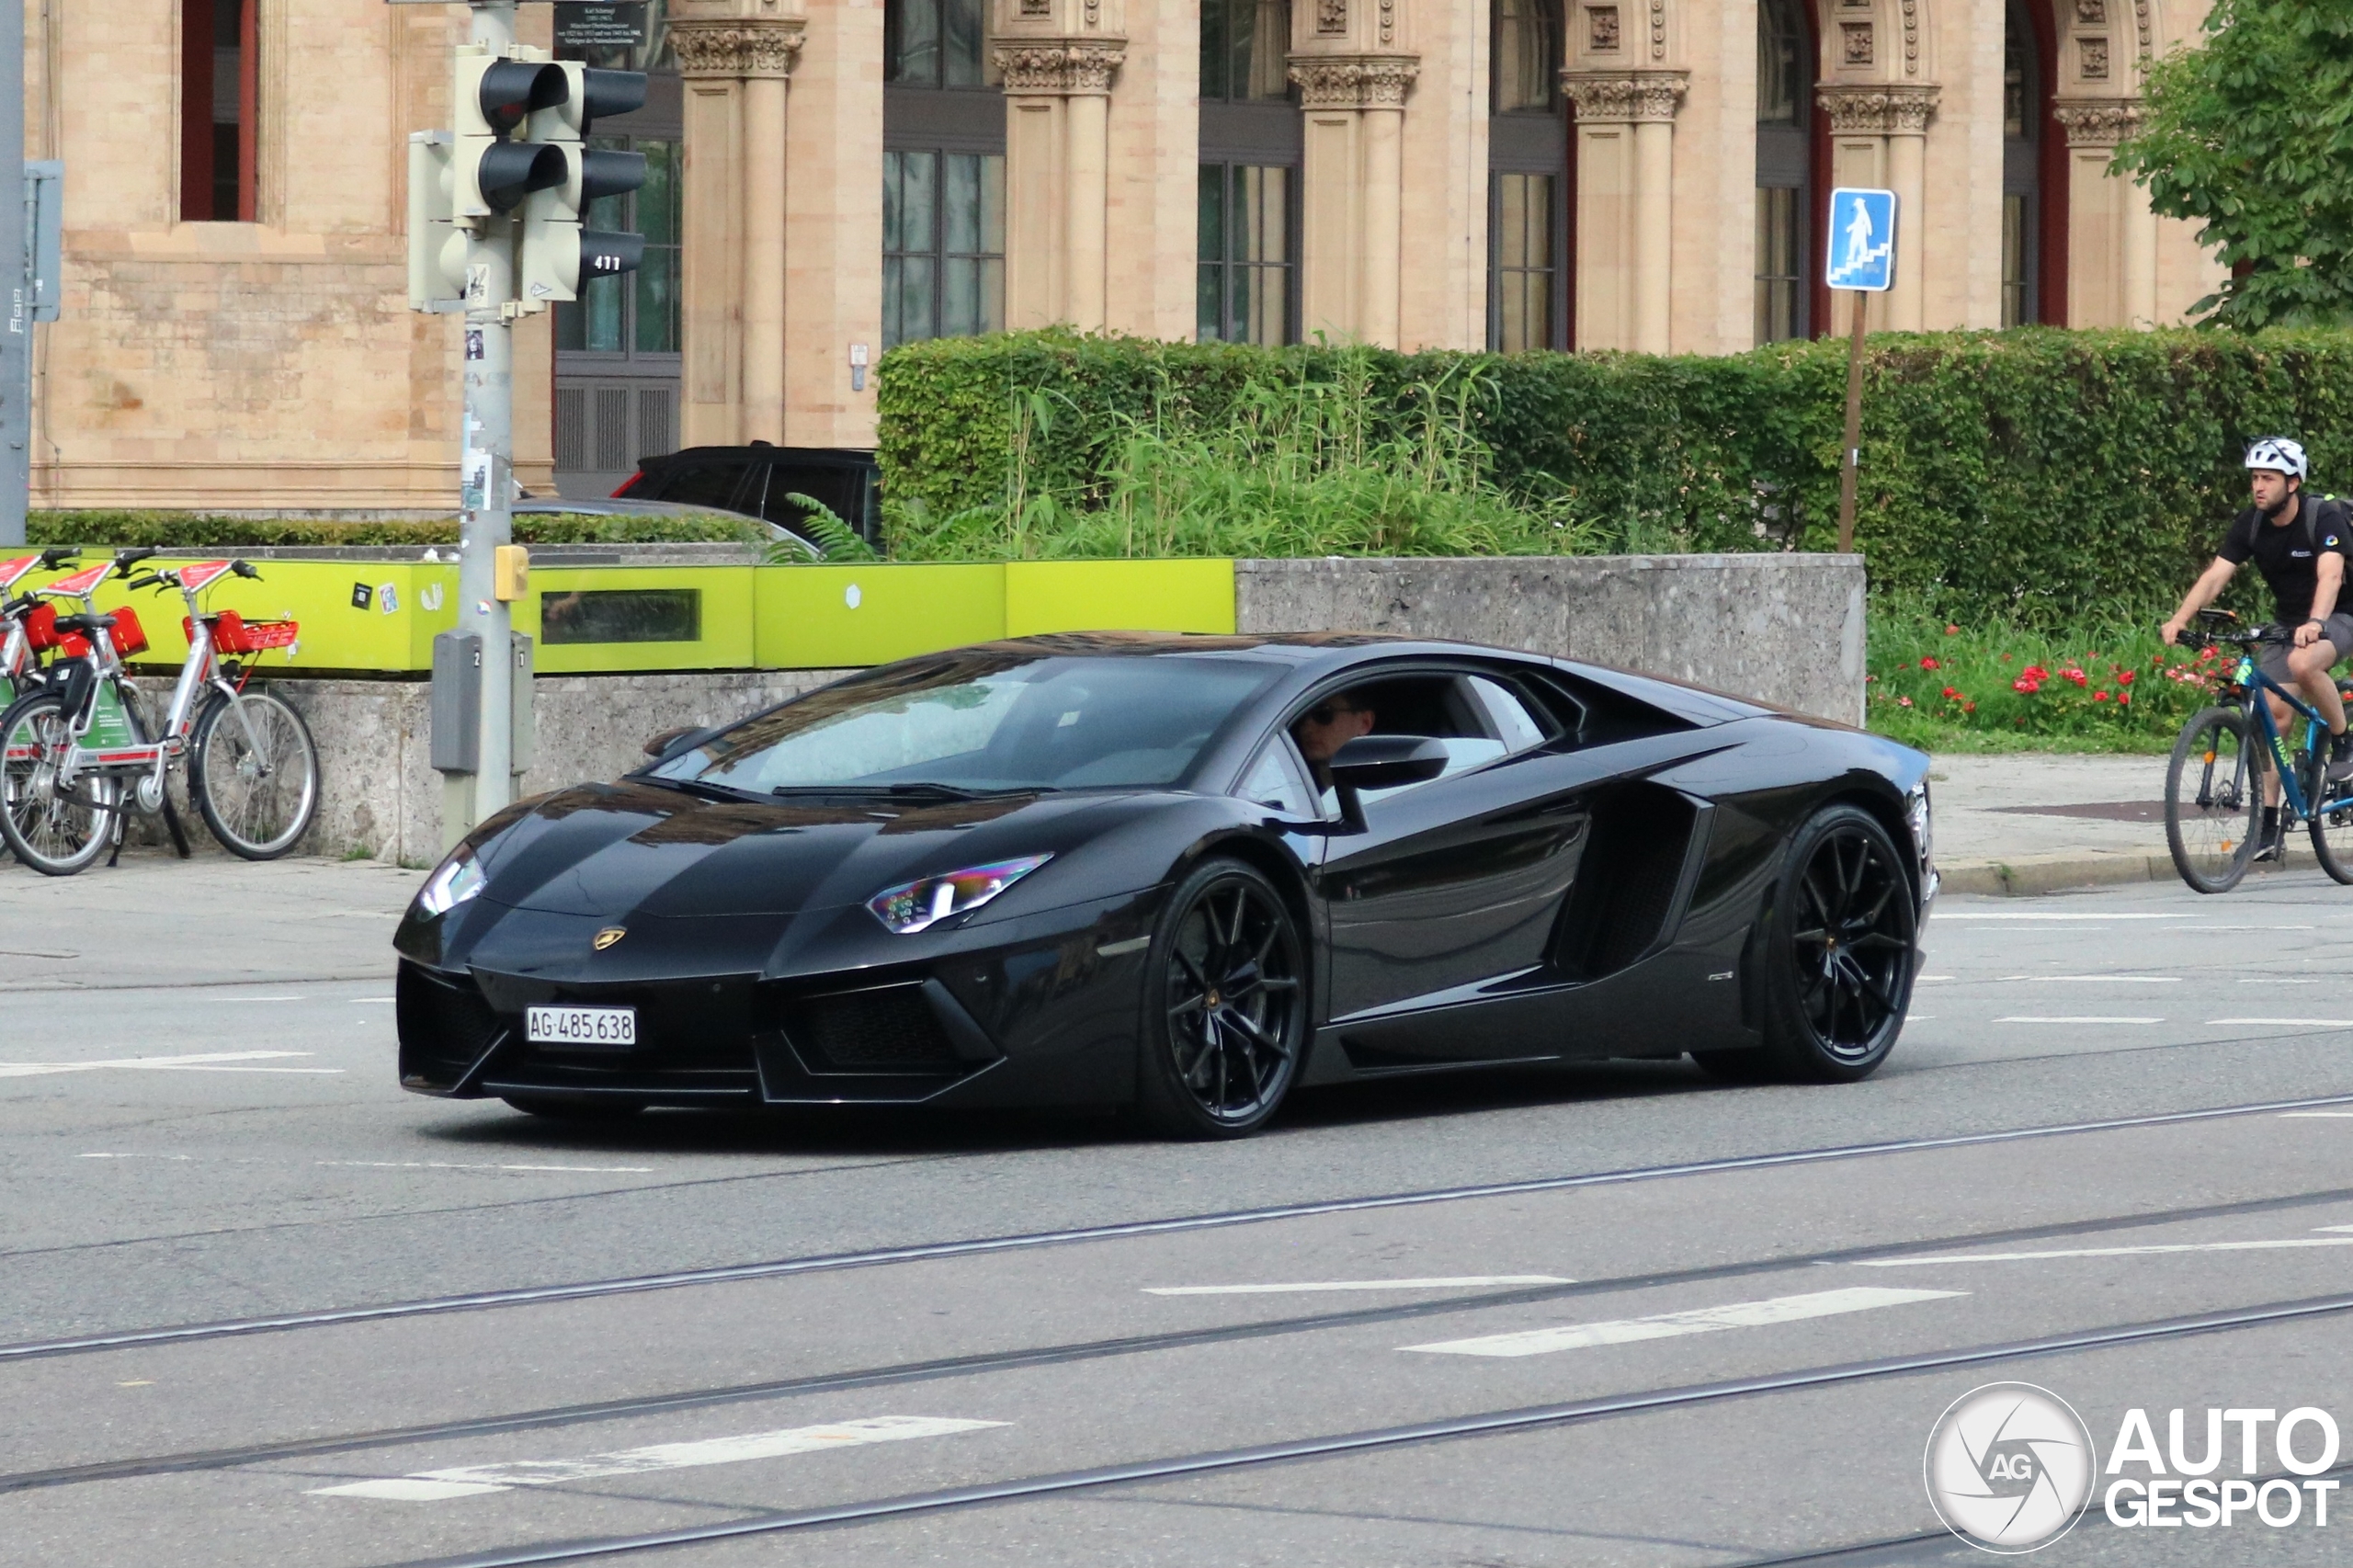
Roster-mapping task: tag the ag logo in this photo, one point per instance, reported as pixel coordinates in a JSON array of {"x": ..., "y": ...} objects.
[
  {"x": 608, "y": 937},
  {"x": 2009, "y": 1467}
]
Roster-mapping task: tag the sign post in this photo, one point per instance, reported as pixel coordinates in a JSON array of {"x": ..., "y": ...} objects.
[{"x": 1861, "y": 260}]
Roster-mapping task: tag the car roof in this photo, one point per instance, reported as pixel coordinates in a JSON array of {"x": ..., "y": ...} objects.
[{"x": 828, "y": 457}]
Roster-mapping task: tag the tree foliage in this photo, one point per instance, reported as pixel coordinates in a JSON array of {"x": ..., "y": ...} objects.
[{"x": 2250, "y": 136}]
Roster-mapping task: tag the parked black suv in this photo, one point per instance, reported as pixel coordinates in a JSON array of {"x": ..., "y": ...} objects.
[{"x": 754, "y": 480}]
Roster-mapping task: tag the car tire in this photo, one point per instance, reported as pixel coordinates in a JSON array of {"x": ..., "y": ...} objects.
[
  {"x": 1838, "y": 950},
  {"x": 566, "y": 1108},
  {"x": 1224, "y": 1023}
]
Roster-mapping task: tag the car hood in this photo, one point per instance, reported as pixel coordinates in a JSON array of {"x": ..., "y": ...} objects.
[{"x": 612, "y": 851}]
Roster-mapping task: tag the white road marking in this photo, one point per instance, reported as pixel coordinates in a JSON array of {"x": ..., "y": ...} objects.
[
  {"x": 2318, "y": 1115},
  {"x": 201, "y": 1062},
  {"x": 371, "y": 998},
  {"x": 2274, "y": 980},
  {"x": 2245, "y": 928},
  {"x": 432, "y": 1485},
  {"x": 2076, "y": 1019},
  {"x": 2103, "y": 979},
  {"x": 247, "y": 998},
  {"x": 453, "y": 1165},
  {"x": 2107, "y": 1251},
  {"x": 2036, "y": 915},
  {"x": 1466, "y": 1280},
  {"x": 1706, "y": 1319},
  {"x": 2293, "y": 1023}
]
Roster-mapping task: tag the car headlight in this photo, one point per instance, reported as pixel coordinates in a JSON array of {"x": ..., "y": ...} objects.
[
  {"x": 452, "y": 883},
  {"x": 914, "y": 906},
  {"x": 1916, "y": 811}
]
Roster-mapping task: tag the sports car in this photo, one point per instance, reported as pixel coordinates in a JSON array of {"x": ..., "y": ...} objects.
[{"x": 1183, "y": 875}]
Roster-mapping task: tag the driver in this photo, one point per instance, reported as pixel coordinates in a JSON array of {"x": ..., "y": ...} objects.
[
  {"x": 2299, "y": 543},
  {"x": 1329, "y": 726}
]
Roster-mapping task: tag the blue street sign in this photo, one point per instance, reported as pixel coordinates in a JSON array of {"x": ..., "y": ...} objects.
[{"x": 1861, "y": 251}]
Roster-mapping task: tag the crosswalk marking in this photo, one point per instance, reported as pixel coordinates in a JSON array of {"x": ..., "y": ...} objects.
[{"x": 1666, "y": 1325}]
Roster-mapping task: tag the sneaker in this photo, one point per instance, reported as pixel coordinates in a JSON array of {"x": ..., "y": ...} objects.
[
  {"x": 2270, "y": 840},
  {"x": 2340, "y": 757}
]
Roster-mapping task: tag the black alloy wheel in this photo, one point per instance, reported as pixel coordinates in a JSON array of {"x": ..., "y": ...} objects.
[
  {"x": 1226, "y": 1008},
  {"x": 1836, "y": 951}
]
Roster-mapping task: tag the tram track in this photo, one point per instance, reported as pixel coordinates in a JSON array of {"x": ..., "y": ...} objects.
[
  {"x": 1484, "y": 1424},
  {"x": 986, "y": 1362},
  {"x": 480, "y": 1300}
]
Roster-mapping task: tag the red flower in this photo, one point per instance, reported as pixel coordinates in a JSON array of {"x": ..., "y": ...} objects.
[
  {"x": 1951, "y": 631},
  {"x": 2035, "y": 673},
  {"x": 2124, "y": 677},
  {"x": 1952, "y": 692},
  {"x": 2025, "y": 686},
  {"x": 1904, "y": 702},
  {"x": 2206, "y": 653},
  {"x": 2099, "y": 697},
  {"x": 2006, "y": 658},
  {"x": 2124, "y": 699},
  {"x": 1968, "y": 707},
  {"x": 1930, "y": 665}
]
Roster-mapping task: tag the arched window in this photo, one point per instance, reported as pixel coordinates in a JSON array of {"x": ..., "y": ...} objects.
[
  {"x": 2031, "y": 242},
  {"x": 1246, "y": 282},
  {"x": 1528, "y": 196},
  {"x": 943, "y": 173},
  {"x": 1785, "y": 115}
]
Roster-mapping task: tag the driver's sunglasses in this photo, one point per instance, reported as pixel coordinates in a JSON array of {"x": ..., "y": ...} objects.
[{"x": 1324, "y": 712}]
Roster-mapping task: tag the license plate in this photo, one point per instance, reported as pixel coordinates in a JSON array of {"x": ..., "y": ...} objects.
[{"x": 609, "y": 1029}]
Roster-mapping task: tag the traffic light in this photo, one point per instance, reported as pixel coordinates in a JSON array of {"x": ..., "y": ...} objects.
[
  {"x": 558, "y": 253},
  {"x": 437, "y": 247},
  {"x": 493, "y": 96}
]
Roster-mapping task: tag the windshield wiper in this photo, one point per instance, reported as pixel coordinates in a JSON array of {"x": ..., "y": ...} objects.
[
  {"x": 921, "y": 790},
  {"x": 702, "y": 787}
]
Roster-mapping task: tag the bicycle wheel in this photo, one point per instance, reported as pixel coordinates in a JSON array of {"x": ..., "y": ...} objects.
[
  {"x": 56, "y": 835},
  {"x": 2213, "y": 800},
  {"x": 255, "y": 773},
  {"x": 2332, "y": 825}
]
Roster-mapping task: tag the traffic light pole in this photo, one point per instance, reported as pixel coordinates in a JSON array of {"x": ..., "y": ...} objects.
[
  {"x": 486, "y": 477},
  {"x": 16, "y": 339}
]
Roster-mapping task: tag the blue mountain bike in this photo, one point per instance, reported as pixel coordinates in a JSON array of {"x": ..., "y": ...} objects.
[{"x": 2216, "y": 782}]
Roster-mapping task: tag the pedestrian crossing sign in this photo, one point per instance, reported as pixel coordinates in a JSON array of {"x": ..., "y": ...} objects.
[{"x": 1861, "y": 251}]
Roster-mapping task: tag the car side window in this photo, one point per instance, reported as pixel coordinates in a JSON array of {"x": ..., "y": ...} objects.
[
  {"x": 1276, "y": 781},
  {"x": 1517, "y": 728}
]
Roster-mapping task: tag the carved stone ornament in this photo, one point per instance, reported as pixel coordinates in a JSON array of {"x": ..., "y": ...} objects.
[
  {"x": 1354, "y": 81},
  {"x": 736, "y": 49},
  {"x": 1886, "y": 110},
  {"x": 1624, "y": 96},
  {"x": 1601, "y": 28},
  {"x": 1658, "y": 29},
  {"x": 2091, "y": 58},
  {"x": 1063, "y": 67},
  {"x": 1855, "y": 43},
  {"x": 2091, "y": 13},
  {"x": 1331, "y": 17},
  {"x": 1037, "y": 8},
  {"x": 2097, "y": 122}
]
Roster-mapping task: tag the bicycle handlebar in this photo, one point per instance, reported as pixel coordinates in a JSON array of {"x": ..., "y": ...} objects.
[
  {"x": 124, "y": 559},
  {"x": 61, "y": 555},
  {"x": 245, "y": 569}
]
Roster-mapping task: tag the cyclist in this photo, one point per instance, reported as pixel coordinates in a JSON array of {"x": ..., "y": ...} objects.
[{"x": 2299, "y": 543}]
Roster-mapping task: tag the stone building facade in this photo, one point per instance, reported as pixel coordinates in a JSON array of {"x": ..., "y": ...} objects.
[{"x": 833, "y": 176}]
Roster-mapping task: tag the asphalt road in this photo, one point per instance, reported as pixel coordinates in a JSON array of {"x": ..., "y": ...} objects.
[{"x": 258, "y": 1306}]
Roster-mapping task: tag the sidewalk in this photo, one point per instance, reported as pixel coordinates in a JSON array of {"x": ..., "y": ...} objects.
[{"x": 2038, "y": 821}]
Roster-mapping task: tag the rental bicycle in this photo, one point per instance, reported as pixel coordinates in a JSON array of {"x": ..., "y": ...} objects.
[
  {"x": 79, "y": 751},
  {"x": 2215, "y": 781},
  {"x": 27, "y": 626}
]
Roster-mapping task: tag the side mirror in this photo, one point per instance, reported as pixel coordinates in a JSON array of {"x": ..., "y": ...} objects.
[
  {"x": 1384, "y": 762},
  {"x": 669, "y": 738}
]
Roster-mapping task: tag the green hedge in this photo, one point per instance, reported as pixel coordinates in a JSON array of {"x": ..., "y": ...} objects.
[
  {"x": 2035, "y": 476},
  {"x": 196, "y": 530}
]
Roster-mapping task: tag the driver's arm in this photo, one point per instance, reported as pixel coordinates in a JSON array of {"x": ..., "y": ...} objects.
[
  {"x": 2330, "y": 572},
  {"x": 2210, "y": 584}
]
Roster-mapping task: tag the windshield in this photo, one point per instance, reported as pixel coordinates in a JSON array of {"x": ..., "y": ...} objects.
[{"x": 986, "y": 723}]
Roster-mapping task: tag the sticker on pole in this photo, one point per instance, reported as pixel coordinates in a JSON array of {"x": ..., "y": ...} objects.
[{"x": 1862, "y": 239}]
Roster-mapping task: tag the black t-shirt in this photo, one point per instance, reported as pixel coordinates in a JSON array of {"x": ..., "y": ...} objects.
[{"x": 2288, "y": 555}]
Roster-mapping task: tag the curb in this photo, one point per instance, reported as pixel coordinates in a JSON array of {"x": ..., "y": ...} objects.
[{"x": 2030, "y": 874}]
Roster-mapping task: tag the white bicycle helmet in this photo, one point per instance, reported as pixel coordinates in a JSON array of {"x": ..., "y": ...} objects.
[{"x": 2280, "y": 454}]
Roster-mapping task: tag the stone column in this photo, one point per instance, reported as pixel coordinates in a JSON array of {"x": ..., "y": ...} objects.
[
  {"x": 2111, "y": 232},
  {"x": 1879, "y": 137},
  {"x": 736, "y": 56},
  {"x": 1058, "y": 58},
  {"x": 1625, "y": 228},
  {"x": 1353, "y": 192}
]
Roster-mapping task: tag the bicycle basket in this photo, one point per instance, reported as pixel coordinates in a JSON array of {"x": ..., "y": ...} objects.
[
  {"x": 232, "y": 633},
  {"x": 130, "y": 637}
]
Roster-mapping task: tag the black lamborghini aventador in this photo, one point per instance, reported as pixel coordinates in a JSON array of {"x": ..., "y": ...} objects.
[{"x": 1181, "y": 873}]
